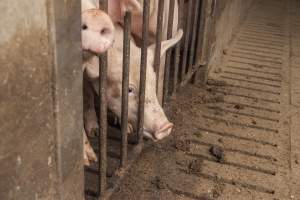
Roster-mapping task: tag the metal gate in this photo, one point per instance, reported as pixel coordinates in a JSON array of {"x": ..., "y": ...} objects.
[{"x": 185, "y": 62}]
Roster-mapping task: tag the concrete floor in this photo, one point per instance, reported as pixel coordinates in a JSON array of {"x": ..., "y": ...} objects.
[{"x": 250, "y": 109}]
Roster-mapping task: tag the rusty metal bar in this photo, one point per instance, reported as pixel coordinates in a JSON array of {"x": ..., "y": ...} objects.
[
  {"x": 186, "y": 39},
  {"x": 143, "y": 70},
  {"x": 203, "y": 44},
  {"x": 194, "y": 34},
  {"x": 203, "y": 32},
  {"x": 168, "y": 54},
  {"x": 125, "y": 87},
  {"x": 158, "y": 40},
  {"x": 102, "y": 139},
  {"x": 177, "y": 49}
]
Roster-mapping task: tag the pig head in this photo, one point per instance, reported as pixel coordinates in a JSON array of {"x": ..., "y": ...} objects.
[
  {"x": 156, "y": 125},
  {"x": 97, "y": 32},
  {"x": 117, "y": 9}
]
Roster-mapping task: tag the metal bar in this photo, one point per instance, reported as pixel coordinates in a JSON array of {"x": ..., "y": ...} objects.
[
  {"x": 177, "y": 49},
  {"x": 102, "y": 139},
  {"x": 168, "y": 54},
  {"x": 202, "y": 32},
  {"x": 143, "y": 70},
  {"x": 193, "y": 42},
  {"x": 161, "y": 4},
  {"x": 186, "y": 39},
  {"x": 189, "y": 75},
  {"x": 125, "y": 87},
  {"x": 203, "y": 45}
]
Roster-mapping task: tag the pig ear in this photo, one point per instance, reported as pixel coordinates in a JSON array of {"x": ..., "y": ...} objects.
[
  {"x": 131, "y": 5},
  {"x": 167, "y": 44}
]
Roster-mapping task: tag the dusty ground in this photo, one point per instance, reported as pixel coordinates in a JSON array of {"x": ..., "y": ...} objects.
[{"x": 238, "y": 138}]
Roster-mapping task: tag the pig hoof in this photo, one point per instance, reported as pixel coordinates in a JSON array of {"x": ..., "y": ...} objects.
[
  {"x": 91, "y": 124},
  {"x": 129, "y": 129},
  {"x": 88, "y": 154}
]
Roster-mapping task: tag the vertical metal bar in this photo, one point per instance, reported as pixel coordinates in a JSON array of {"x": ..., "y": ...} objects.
[
  {"x": 125, "y": 87},
  {"x": 177, "y": 49},
  {"x": 102, "y": 139},
  {"x": 143, "y": 70},
  {"x": 186, "y": 39},
  {"x": 168, "y": 54},
  {"x": 161, "y": 4},
  {"x": 203, "y": 45},
  {"x": 203, "y": 32},
  {"x": 193, "y": 42}
]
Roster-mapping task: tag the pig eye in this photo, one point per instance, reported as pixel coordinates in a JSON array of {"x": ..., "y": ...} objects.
[
  {"x": 84, "y": 27},
  {"x": 105, "y": 31},
  {"x": 130, "y": 90}
]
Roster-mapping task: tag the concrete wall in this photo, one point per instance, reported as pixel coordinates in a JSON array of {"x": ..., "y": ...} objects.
[
  {"x": 40, "y": 100},
  {"x": 226, "y": 17}
]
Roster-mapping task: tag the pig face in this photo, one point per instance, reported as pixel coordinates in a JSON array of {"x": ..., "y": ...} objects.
[
  {"x": 97, "y": 31},
  {"x": 156, "y": 125}
]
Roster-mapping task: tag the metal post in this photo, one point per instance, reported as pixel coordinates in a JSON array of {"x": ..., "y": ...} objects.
[
  {"x": 102, "y": 139},
  {"x": 186, "y": 39},
  {"x": 125, "y": 87},
  {"x": 177, "y": 50},
  {"x": 143, "y": 70},
  {"x": 158, "y": 40},
  {"x": 168, "y": 54}
]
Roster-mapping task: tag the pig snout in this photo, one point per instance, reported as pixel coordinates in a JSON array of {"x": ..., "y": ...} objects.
[
  {"x": 97, "y": 31},
  {"x": 163, "y": 131},
  {"x": 156, "y": 124},
  {"x": 159, "y": 133}
]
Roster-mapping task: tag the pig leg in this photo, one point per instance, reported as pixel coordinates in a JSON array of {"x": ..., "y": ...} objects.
[
  {"x": 88, "y": 152},
  {"x": 90, "y": 118}
]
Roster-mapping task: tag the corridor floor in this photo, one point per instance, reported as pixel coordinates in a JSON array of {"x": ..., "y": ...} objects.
[{"x": 238, "y": 138}]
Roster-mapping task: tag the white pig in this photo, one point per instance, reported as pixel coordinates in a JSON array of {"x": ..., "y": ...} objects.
[
  {"x": 97, "y": 36},
  {"x": 117, "y": 9},
  {"x": 156, "y": 125}
]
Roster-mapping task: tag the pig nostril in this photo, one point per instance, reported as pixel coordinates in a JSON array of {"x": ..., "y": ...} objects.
[
  {"x": 84, "y": 27},
  {"x": 105, "y": 31}
]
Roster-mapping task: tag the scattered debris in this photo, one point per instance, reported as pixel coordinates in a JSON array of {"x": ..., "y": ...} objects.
[
  {"x": 159, "y": 183},
  {"x": 183, "y": 145},
  {"x": 239, "y": 107},
  {"x": 198, "y": 135},
  {"x": 205, "y": 197},
  {"x": 195, "y": 166},
  {"x": 218, "y": 70},
  {"x": 220, "y": 140},
  {"x": 218, "y": 153},
  {"x": 216, "y": 82}
]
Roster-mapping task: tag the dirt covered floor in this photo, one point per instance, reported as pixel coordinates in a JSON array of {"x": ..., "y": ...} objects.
[{"x": 238, "y": 138}]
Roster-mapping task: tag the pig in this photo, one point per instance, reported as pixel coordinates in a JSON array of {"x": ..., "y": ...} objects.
[
  {"x": 156, "y": 125},
  {"x": 117, "y": 9},
  {"x": 136, "y": 7},
  {"x": 97, "y": 36},
  {"x": 97, "y": 32}
]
